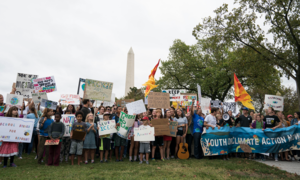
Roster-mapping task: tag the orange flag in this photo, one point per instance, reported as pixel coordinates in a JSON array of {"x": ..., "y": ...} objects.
[
  {"x": 241, "y": 95},
  {"x": 150, "y": 84}
]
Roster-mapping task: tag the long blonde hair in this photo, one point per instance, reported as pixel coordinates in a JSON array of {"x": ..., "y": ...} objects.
[{"x": 86, "y": 118}]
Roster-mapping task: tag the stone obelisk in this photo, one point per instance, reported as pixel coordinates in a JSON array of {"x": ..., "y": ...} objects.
[{"x": 129, "y": 72}]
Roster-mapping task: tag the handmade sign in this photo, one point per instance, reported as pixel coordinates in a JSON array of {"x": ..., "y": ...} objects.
[
  {"x": 124, "y": 102},
  {"x": 161, "y": 127},
  {"x": 14, "y": 100},
  {"x": 52, "y": 142},
  {"x": 216, "y": 103},
  {"x": 1, "y": 108},
  {"x": 230, "y": 106},
  {"x": 159, "y": 100},
  {"x": 186, "y": 99},
  {"x": 126, "y": 121},
  {"x": 146, "y": 100},
  {"x": 78, "y": 135},
  {"x": 173, "y": 128},
  {"x": 199, "y": 92},
  {"x": 48, "y": 104},
  {"x": 136, "y": 107},
  {"x": 24, "y": 84},
  {"x": 81, "y": 85},
  {"x": 37, "y": 97},
  {"x": 46, "y": 84},
  {"x": 97, "y": 90},
  {"x": 174, "y": 93},
  {"x": 205, "y": 105},
  {"x": 276, "y": 102},
  {"x": 16, "y": 129},
  {"x": 70, "y": 99},
  {"x": 146, "y": 134},
  {"x": 68, "y": 120},
  {"x": 107, "y": 127},
  {"x": 245, "y": 140}
]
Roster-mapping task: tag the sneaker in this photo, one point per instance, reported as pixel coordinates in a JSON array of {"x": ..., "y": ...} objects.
[
  {"x": 102, "y": 161},
  {"x": 20, "y": 157},
  {"x": 13, "y": 165},
  {"x": 106, "y": 160},
  {"x": 141, "y": 162},
  {"x": 92, "y": 161},
  {"x": 276, "y": 160},
  {"x": 153, "y": 159},
  {"x": 35, "y": 157},
  {"x": 147, "y": 162},
  {"x": 117, "y": 160},
  {"x": 42, "y": 160},
  {"x": 168, "y": 158},
  {"x": 86, "y": 162},
  {"x": 293, "y": 159},
  {"x": 162, "y": 159},
  {"x": 172, "y": 157}
]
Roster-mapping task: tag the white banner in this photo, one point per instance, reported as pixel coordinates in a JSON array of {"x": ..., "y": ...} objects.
[
  {"x": 49, "y": 104},
  {"x": 37, "y": 97},
  {"x": 126, "y": 121},
  {"x": 144, "y": 134},
  {"x": 216, "y": 103},
  {"x": 174, "y": 93},
  {"x": 45, "y": 84},
  {"x": 136, "y": 107},
  {"x": 14, "y": 100},
  {"x": 70, "y": 99},
  {"x": 107, "y": 127},
  {"x": 24, "y": 84},
  {"x": 276, "y": 102},
  {"x": 68, "y": 120},
  {"x": 16, "y": 129},
  {"x": 199, "y": 92}
]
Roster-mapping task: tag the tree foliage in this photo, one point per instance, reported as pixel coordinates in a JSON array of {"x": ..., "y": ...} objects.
[{"x": 135, "y": 94}]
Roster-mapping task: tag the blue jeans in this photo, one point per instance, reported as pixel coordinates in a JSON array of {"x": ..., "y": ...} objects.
[
  {"x": 197, "y": 146},
  {"x": 34, "y": 135}
]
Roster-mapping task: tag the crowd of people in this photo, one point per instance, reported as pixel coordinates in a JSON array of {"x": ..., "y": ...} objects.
[{"x": 190, "y": 128}]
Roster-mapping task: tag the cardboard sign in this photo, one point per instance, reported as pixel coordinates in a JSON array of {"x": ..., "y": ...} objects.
[
  {"x": 70, "y": 99},
  {"x": 107, "y": 127},
  {"x": 161, "y": 127},
  {"x": 276, "y": 102},
  {"x": 159, "y": 100},
  {"x": 174, "y": 93},
  {"x": 46, "y": 84},
  {"x": 126, "y": 121},
  {"x": 24, "y": 84},
  {"x": 14, "y": 100},
  {"x": 173, "y": 128},
  {"x": 49, "y": 104},
  {"x": 78, "y": 135},
  {"x": 216, "y": 103},
  {"x": 68, "y": 120},
  {"x": 81, "y": 85},
  {"x": 136, "y": 107},
  {"x": 52, "y": 142},
  {"x": 124, "y": 102},
  {"x": 146, "y": 134},
  {"x": 98, "y": 90},
  {"x": 37, "y": 97}
]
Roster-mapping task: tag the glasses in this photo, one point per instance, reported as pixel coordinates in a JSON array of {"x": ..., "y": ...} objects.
[{"x": 108, "y": 109}]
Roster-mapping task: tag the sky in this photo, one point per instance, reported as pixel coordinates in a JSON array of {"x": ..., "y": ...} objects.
[{"x": 73, "y": 39}]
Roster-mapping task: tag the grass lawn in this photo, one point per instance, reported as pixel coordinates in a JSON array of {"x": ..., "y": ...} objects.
[{"x": 170, "y": 169}]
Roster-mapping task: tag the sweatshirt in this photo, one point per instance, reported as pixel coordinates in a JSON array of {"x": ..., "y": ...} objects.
[{"x": 56, "y": 130}]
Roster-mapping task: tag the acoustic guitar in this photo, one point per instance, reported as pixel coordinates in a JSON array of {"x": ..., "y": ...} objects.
[{"x": 183, "y": 152}]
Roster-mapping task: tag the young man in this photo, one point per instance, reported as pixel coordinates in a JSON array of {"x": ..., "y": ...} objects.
[
  {"x": 210, "y": 120},
  {"x": 85, "y": 109},
  {"x": 118, "y": 140},
  {"x": 245, "y": 119},
  {"x": 198, "y": 122}
]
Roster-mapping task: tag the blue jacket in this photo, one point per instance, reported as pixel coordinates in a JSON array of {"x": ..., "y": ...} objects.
[{"x": 294, "y": 121}]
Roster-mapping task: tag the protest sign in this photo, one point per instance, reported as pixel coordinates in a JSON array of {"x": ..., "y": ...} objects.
[
  {"x": 173, "y": 128},
  {"x": 97, "y": 90},
  {"x": 199, "y": 92},
  {"x": 45, "y": 84},
  {"x": 52, "y": 142},
  {"x": 161, "y": 127},
  {"x": 49, "y": 104},
  {"x": 37, "y": 97},
  {"x": 78, "y": 135},
  {"x": 14, "y": 100},
  {"x": 107, "y": 127},
  {"x": 136, "y": 107},
  {"x": 186, "y": 99},
  {"x": 216, "y": 103},
  {"x": 1, "y": 108},
  {"x": 245, "y": 140},
  {"x": 24, "y": 84},
  {"x": 230, "y": 106},
  {"x": 205, "y": 105},
  {"x": 126, "y": 121},
  {"x": 124, "y": 102},
  {"x": 276, "y": 102},
  {"x": 174, "y": 93},
  {"x": 159, "y": 100},
  {"x": 146, "y": 100},
  {"x": 70, "y": 99},
  {"x": 81, "y": 85},
  {"x": 16, "y": 129},
  {"x": 68, "y": 120},
  {"x": 146, "y": 134},
  {"x": 106, "y": 103}
]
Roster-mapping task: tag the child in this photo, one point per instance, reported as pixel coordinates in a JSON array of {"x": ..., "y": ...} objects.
[
  {"x": 259, "y": 124},
  {"x": 56, "y": 131},
  {"x": 144, "y": 145},
  {"x": 89, "y": 144},
  {"x": 77, "y": 145},
  {"x": 10, "y": 149},
  {"x": 105, "y": 141},
  {"x": 65, "y": 144}
]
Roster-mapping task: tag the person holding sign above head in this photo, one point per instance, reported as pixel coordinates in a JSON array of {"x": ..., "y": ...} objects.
[
  {"x": 105, "y": 141},
  {"x": 10, "y": 149},
  {"x": 89, "y": 144},
  {"x": 159, "y": 140},
  {"x": 182, "y": 128}
]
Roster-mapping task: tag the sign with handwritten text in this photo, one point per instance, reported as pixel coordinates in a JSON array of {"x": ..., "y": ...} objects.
[
  {"x": 276, "y": 102},
  {"x": 159, "y": 100},
  {"x": 146, "y": 134},
  {"x": 45, "y": 84},
  {"x": 24, "y": 84},
  {"x": 126, "y": 121},
  {"x": 48, "y": 104},
  {"x": 107, "y": 127},
  {"x": 68, "y": 120},
  {"x": 136, "y": 107},
  {"x": 37, "y": 97},
  {"x": 70, "y": 99},
  {"x": 97, "y": 90},
  {"x": 14, "y": 100},
  {"x": 173, "y": 128},
  {"x": 52, "y": 142}
]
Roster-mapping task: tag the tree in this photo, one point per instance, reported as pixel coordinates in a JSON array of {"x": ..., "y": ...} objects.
[
  {"x": 241, "y": 27},
  {"x": 135, "y": 94}
]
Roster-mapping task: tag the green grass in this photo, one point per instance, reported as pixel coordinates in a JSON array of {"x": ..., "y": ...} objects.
[{"x": 170, "y": 169}]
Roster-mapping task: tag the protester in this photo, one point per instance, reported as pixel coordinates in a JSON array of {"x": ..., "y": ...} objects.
[
  {"x": 167, "y": 139},
  {"x": 296, "y": 121},
  {"x": 119, "y": 142},
  {"x": 32, "y": 114},
  {"x": 144, "y": 145},
  {"x": 89, "y": 144},
  {"x": 134, "y": 145},
  {"x": 289, "y": 119},
  {"x": 159, "y": 140},
  {"x": 85, "y": 109},
  {"x": 70, "y": 108},
  {"x": 259, "y": 124},
  {"x": 105, "y": 141},
  {"x": 65, "y": 144}
]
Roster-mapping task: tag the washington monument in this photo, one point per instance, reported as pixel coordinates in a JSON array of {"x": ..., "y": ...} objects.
[{"x": 129, "y": 72}]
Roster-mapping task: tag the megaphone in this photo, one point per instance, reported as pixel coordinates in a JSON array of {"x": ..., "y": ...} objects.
[{"x": 226, "y": 117}]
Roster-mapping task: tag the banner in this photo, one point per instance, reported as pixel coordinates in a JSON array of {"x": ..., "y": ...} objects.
[
  {"x": 124, "y": 102},
  {"x": 216, "y": 103},
  {"x": 186, "y": 99},
  {"x": 81, "y": 85},
  {"x": 126, "y": 121},
  {"x": 97, "y": 90},
  {"x": 70, "y": 99},
  {"x": 146, "y": 134},
  {"x": 16, "y": 129},
  {"x": 24, "y": 84},
  {"x": 174, "y": 93},
  {"x": 37, "y": 97},
  {"x": 107, "y": 127},
  {"x": 238, "y": 140},
  {"x": 159, "y": 100},
  {"x": 205, "y": 105},
  {"x": 199, "y": 92},
  {"x": 49, "y": 104},
  {"x": 14, "y": 100},
  {"x": 276, "y": 102},
  {"x": 136, "y": 107},
  {"x": 230, "y": 106},
  {"x": 46, "y": 84},
  {"x": 68, "y": 120}
]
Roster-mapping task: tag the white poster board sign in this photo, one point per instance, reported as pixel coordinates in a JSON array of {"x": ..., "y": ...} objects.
[
  {"x": 205, "y": 105},
  {"x": 276, "y": 102},
  {"x": 16, "y": 129},
  {"x": 68, "y": 120},
  {"x": 174, "y": 93},
  {"x": 37, "y": 97},
  {"x": 216, "y": 103},
  {"x": 107, "y": 127},
  {"x": 14, "y": 100},
  {"x": 136, "y": 107},
  {"x": 126, "y": 121},
  {"x": 24, "y": 84},
  {"x": 199, "y": 92},
  {"x": 45, "y": 84},
  {"x": 70, "y": 99},
  {"x": 49, "y": 104},
  {"x": 146, "y": 134}
]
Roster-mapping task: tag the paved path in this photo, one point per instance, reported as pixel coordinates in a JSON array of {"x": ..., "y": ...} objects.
[{"x": 291, "y": 167}]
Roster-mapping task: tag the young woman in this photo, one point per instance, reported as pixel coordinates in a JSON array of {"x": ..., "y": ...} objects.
[
  {"x": 159, "y": 140},
  {"x": 258, "y": 124},
  {"x": 167, "y": 139},
  {"x": 182, "y": 128},
  {"x": 296, "y": 121},
  {"x": 189, "y": 135},
  {"x": 89, "y": 144},
  {"x": 284, "y": 124},
  {"x": 134, "y": 144},
  {"x": 71, "y": 108},
  {"x": 32, "y": 114}
]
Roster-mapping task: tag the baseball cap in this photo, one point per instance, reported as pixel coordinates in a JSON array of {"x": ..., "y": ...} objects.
[
  {"x": 145, "y": 118},
  {"x": 290, "y": 116},
  {"x": 245, "y": 108}
]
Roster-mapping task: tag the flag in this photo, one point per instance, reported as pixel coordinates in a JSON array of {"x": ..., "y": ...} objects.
[
  {"x": 241, "y": 95},
  {"x": 150, "y": 84}
]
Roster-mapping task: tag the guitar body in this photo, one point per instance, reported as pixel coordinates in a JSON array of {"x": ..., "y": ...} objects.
[{"x": 183, "y": 152}]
